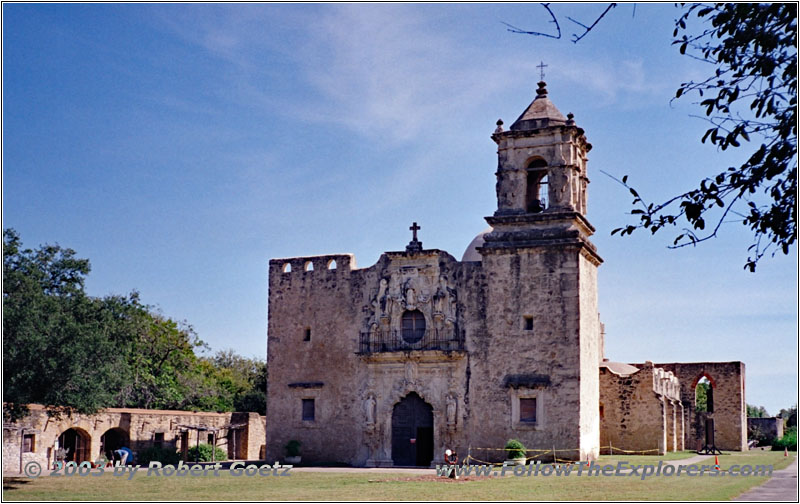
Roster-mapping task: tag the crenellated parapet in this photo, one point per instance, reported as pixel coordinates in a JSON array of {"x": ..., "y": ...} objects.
[{"x": 291, "y": 267}]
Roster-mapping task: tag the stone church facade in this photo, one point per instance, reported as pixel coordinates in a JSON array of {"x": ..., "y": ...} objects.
[{"x": 394, "y": 363}]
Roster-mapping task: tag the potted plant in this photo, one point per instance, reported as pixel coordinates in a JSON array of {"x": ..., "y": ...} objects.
[
  {"x": 293, "y": 452},
  {"x": 516, "y": 452}
]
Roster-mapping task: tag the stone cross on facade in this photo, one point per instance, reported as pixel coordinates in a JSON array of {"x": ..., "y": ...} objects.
[
  {"x": 541, "y": 66},
  {"x": 414, "y": 245},
  {"x": 414, "y": 228}
]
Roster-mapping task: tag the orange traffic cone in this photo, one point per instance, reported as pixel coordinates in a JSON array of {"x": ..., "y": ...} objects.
[
  {"x": 716, "y": 462},
  {"x": 785, "y": 451}
]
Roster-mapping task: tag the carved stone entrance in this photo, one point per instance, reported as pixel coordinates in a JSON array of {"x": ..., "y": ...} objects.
[{"x": 412, "y": 432}]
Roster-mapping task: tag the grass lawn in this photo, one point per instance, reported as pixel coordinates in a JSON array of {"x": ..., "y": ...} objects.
[
  {"x": 645, "y": 459},
  {"x": 317, "y": 486}
]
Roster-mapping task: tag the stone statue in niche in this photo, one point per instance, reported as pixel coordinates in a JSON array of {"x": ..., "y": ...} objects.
[
  {"x": 369, "y": 405},
  {"x": 451, "y": 410},
  {"x": 409, "y": 296},
  {"x": 380, "y": 299},
  {"x": 411, "y": 372},
  {"x": 451, "y": 305},
  {"x": 440, "y": 297}
]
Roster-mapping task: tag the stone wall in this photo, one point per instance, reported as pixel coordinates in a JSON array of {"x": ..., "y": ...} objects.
[
  {"x": 727, "y": 381},
  {"x": 639, "y": 411},
  {"x": 474, "y": 387},
  {"x": 768, "y": 429},
  {"x": 139, "y": 428}
]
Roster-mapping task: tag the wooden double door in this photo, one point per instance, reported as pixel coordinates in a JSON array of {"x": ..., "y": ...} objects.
[{"x": 412, "y": 432}]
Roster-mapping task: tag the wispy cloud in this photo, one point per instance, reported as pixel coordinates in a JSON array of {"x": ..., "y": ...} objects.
[
  {"x": 615, "y": 81},
  {"x": 389, "y": 71},
  {"x": 383, "y": 71}
]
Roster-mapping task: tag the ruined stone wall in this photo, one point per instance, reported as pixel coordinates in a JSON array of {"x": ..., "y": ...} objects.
[
  {"x": 139, "y": 425},
  {"x": 768, "y": 429},
  {"x": 727, "y": 380},
  {"x": 633, "y": 416},
  {"x": 508, "y": 362}
]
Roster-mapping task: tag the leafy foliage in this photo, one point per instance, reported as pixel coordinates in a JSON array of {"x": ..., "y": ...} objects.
[
  {"x": 701, "y": 396},
  {"x": 515, "y": 449},
  {"x": 70, "y": 351},
  {"x": 789, "y": 416},
  {"x": 752, "y": 93},
  {"x": 202, "y": 453},
  {"x": 60, "y": 347},
  {"x": 788, "y": 441},
  {"x": 154, "y": 453},
  {"x": 756, "y": 411}
]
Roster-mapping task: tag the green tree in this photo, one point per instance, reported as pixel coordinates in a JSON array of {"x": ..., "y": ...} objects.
[
  {"x": 752, "y": 92},
  {"x": 160, "y": 355},
  {"x": 69, "y": 351},
  {"x": 756, "y": 411},
  {"x": 701, "y": 396},
  {"x": 61, "y": 348},
  {"x": 789, "y": 416}
]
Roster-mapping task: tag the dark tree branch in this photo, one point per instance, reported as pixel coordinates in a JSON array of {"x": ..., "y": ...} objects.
[
  {"x": 575, "y": 37},
  {"x": 514, "y": 29}
]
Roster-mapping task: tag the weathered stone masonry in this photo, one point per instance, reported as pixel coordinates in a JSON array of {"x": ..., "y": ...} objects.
[
  {"x": 391, "y": 364},
  {"x": 88, "y": 437}
]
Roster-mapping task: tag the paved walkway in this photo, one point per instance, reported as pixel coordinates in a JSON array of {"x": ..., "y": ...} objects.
[{"x": 782, "y": 486}]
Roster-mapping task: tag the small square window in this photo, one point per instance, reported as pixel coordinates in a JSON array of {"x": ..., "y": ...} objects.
[
  {"x": 527, "y": 410},
  {"x": 308, "y": 410},
  {"x": 28, "y": 443},
  {"x": 307, "y": 334},
  {"x": 528, "y": 322},
  {"x": 210, "y": 439},
  {"x": 158, "y": 439}
]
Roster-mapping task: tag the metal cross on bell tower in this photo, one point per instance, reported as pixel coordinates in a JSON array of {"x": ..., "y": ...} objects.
[
  {"x": 541, "y": 66},
  {"x": 414, "y": 245}
]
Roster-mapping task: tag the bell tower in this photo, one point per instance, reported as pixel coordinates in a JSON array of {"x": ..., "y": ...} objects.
[
  {"x": 542, "y": 323},
  {"x": 541, "y": 179}
]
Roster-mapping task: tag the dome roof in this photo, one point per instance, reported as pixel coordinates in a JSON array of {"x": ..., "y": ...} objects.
[
  {"x": 619, "y": 368},
  {"x": 540, "y": 113},
  {"x": 471, "y": 254}
]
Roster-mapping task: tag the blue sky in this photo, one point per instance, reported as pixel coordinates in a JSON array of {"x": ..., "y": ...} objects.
[{"x": 180, "y": 147}]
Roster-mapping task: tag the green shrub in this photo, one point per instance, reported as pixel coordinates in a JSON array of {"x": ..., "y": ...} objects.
[
  {"x": 156, "y": 454},
  {"x": 293, "y": 448},
  {"x": 515, "y": 449},
  {"x": 789, "y": 440},
  {"x": 202, "y": 453}
]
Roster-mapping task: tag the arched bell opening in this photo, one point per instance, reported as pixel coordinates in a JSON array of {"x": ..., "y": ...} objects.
[{"x": 536, "y": 186}]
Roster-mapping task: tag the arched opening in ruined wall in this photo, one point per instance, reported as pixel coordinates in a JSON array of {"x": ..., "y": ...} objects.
[
  {"x": 703, "y": 387},
  {"x": 704, "y": 395},
  {"x": 74, "y": 445},
  {"x": 113, "y": 439}
]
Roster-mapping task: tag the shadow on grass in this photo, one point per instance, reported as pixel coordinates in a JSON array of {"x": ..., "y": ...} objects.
[{"x": 12, "y": 483}]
